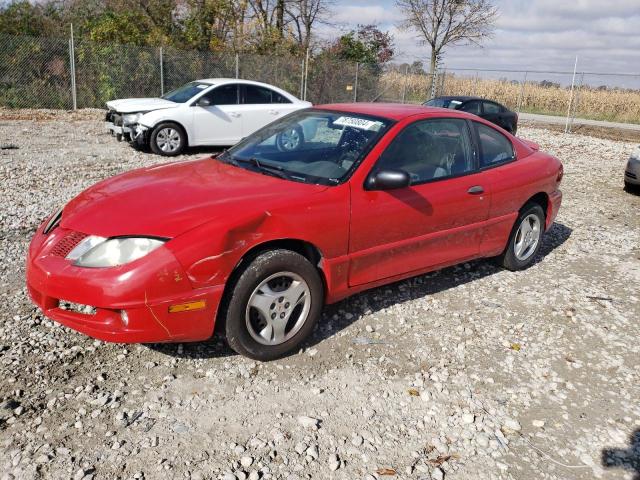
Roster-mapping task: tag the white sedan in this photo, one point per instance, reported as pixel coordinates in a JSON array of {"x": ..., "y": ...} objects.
[{"x": 214, "y": 111}]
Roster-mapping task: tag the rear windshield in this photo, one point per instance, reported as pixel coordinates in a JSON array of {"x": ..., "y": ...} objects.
[
  {"x": 185, "y": 92},
  {"x": 443, "y": 103}
]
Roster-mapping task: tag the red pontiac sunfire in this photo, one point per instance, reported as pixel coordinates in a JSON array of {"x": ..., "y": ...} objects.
[{"x": 312, "y": 208}]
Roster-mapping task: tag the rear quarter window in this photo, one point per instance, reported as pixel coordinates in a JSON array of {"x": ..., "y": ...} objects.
[{"x": 495, "y": 148}]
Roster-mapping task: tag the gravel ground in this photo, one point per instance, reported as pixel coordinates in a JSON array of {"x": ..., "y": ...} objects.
[{"x": 468, "y": 373}]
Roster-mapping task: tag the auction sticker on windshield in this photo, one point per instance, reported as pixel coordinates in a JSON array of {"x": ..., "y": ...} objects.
[{"x": 361, "y": 123}]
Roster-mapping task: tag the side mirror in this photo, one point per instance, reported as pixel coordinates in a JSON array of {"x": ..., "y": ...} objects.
[
  {"x": 203, "y": 102},
  {"x": 388, "y": 180}
]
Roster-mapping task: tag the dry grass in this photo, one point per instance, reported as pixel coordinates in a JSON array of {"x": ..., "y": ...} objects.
[{"x": 611, "y": 105}]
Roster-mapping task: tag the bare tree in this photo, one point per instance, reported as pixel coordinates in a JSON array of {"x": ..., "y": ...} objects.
[
  {"x": 448, "y": 22},
  {"x": 304, "y": 14}
]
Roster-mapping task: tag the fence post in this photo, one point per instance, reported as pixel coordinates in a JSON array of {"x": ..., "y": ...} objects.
[
  {"x": 576, "y": 101},
  {"x": 161, "y": 72},
  {"x": 355, "y": 86},
  {"x": 573, "y": 81},
  {"x": 306, "y": 75},
  {"x": 442, "y": 82},
  {"x": 521, "y": 96},
  {"x": 301, "y": 77},
  {"x": 404, "y": 84},
  {"x": 237, "y": 65},
  {"x": 72, "y": 65}
]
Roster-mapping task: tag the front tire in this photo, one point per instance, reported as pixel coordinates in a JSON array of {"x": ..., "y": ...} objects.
[
  {"x": 525, "y": 239},
  {"x": 168, "y": 139},
  {"x": 274, "y": 305}
]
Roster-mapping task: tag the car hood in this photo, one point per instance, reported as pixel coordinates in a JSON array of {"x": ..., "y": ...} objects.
[
  {"x": 171, "y": 199},
  {"x": 133, "y": 105}
]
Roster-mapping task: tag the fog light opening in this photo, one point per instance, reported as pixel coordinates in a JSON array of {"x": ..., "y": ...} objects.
[{"x": 124, "y": 317}]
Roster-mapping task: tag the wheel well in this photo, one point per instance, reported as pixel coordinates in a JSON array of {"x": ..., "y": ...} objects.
[
  {"x": 184, "y": 130},
  {"x": 541, "y": 199},
  {"x": 306, "y": 249}
]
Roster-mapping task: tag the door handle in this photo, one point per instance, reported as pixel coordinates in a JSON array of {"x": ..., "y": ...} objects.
[
  {"x": 476, "y": 189},
  {"x": 234, "y": 114},
  {"x": 274, "y": 112}
]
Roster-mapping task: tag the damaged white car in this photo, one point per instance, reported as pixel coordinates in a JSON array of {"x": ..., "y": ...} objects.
[{"x": 214, "y": 111}]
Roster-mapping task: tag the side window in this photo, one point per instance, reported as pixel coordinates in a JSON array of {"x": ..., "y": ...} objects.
[
  {"x": 471, "y": 107},
  {"x": 495, "y": 148},
  {"x": 430, "y": 149},
  {"x": 490, "y": 107},
  {"x": 260, "y": 95},
  {"x": 277, "y": 98},
  {"x": 224, "y": 95}
]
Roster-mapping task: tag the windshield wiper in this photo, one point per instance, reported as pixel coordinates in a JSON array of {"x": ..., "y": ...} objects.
[{"x": 276, "y": 170}]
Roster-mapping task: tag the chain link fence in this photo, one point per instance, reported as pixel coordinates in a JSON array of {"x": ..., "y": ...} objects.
[{"x": 38, "y": 72}]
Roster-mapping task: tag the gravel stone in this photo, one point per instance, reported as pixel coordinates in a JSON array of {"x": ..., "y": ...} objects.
[{"x": 486, "y": 410}]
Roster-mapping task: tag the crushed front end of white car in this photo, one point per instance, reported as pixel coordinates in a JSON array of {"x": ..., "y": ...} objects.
[{"x": 123, "y": 114}]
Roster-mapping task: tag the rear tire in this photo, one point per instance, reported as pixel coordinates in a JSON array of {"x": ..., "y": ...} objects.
[
  {"x": 168, "y": 139},
  {"x": 273, "y": 306},
  {"x": 525, "y": 239}
]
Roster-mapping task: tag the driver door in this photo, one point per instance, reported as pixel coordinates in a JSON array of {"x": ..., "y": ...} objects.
[
  {"x": 436, "y": 221},
  {"x": 220, "y": 122}
]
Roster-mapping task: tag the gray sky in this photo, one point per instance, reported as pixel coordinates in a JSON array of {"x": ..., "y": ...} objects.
[{"x": 534, "y": 34}]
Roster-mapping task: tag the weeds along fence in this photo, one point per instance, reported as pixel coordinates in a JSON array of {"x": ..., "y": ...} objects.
[{"x": 39, "y": 72}]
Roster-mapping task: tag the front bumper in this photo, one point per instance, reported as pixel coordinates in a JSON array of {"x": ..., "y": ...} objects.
[
  {"x": 117, "y": 129},
  {"x": 632, "y": 171},
  {"x": 144, "y": 289}
]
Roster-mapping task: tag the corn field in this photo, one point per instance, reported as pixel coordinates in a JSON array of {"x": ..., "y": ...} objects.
[{"x": 612, "y": 104}]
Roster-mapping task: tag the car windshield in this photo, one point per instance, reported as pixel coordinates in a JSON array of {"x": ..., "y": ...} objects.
[
  {"x": 314, "y": 146},
  {"x": 185, "y": 92},
  {"x": 443, "y": 103}
]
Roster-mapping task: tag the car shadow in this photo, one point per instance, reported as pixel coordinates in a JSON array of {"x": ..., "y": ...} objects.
[
  {"x": 339, "y": 316},
  {"x": 627, "y": 459}
]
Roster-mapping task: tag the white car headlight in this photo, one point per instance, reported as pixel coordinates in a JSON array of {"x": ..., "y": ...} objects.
[
  {"x": 130, "y": 118},
  {"x": 100, "y": 252}
]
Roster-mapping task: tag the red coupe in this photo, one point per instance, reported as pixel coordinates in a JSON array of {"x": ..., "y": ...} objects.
[{"x": 317, "y": 206}]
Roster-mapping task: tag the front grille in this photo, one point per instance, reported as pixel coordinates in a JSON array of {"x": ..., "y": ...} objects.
[
  {"x": 631, "y": 175},
  {"x": 68, "y": 243},
  {"x": 117, "y": 119}
]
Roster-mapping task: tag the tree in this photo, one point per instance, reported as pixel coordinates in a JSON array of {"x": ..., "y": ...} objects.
[
  {"x": 441, "y": 23},
  {"x": 367, "y": 45},
  {"x": 304, "y": 14},
  {"x": 27, "y": 18}
]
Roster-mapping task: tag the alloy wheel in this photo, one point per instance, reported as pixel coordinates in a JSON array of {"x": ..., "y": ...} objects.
[
  {"x": 527, "y": 237},
  {"x": 168, "y": 140},
  {"x": 278, "y": 308}
]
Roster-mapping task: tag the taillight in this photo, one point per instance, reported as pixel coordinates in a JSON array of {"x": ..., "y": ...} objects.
[{"x": 560, "y": 174}]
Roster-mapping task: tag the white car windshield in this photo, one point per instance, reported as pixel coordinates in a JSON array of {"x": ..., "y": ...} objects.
[
  {"x": 315, "y": 146},
  {"x": 185, "y": 92}
]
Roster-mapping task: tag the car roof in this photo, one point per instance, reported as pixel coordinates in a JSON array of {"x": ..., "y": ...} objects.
[
  {"x": 223, "y": 80},
  {"x": 391, "y": 111},
  {"x": 462, "y": 98}
]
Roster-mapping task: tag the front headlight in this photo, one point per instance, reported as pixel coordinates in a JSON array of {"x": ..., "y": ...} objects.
[
  {"x": 130, "y": 118},
  {"x": 100, "y": 252}
]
